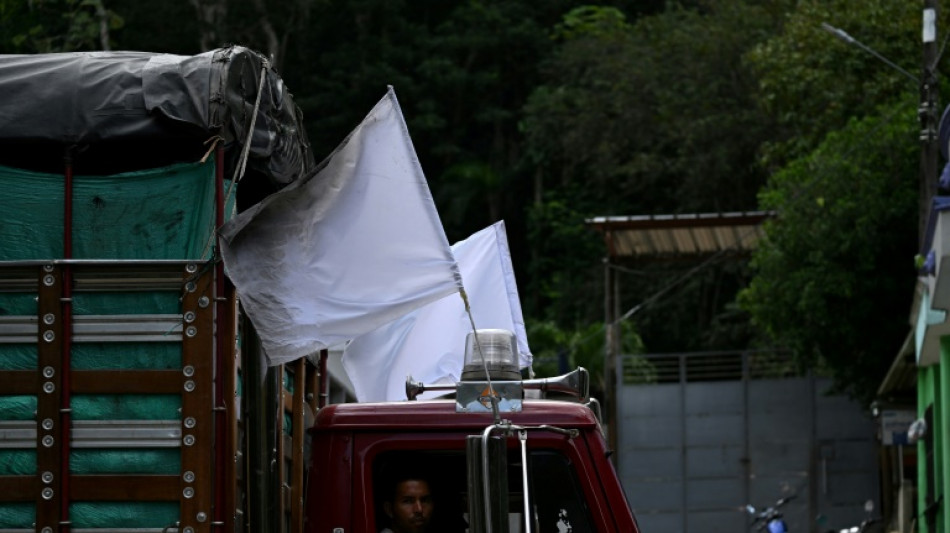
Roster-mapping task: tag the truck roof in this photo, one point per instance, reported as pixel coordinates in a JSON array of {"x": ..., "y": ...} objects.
[{"x": 441, "y": 414}]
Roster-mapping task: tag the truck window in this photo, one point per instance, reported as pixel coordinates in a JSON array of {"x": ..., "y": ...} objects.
[
  {"x": 559, "y": 505},
  {"x": 444, "y": 476}
]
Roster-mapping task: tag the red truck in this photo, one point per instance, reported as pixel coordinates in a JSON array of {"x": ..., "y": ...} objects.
[
  {"x": 515, "y": 464},
  {"x": 132, "y": 394}
]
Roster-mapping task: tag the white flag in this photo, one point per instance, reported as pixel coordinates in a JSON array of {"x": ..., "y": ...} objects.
[
  {"x": 429, "y": 343},
  {"x": 347, "y": 249}
]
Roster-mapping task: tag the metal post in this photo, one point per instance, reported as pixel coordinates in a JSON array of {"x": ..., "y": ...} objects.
[
  {"x": 927, "y": 113},
  {"x": 610, "y": 358}
]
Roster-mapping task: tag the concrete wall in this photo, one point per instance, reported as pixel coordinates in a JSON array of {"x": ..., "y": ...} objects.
[{"x": 693, "y": 450}]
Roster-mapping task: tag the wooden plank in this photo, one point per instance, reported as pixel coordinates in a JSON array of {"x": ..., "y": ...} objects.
[
  {"x": 52, "y": 431},
  {"x": 19, "y": 382},
  {"x": 281, "y": 451},
  {"x": 227, "y": 327},
  {"x": 313, "y": 385},
  {"x": 297, "y": 461},
  {"x": 125, "y": 488},
  {"x": 127, "y": 381},
  {"x": 197, "y": 400},
  {"x": 18, "y": 488}
]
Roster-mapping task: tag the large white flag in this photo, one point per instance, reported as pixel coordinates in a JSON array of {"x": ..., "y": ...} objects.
[
  {"x": 347, "y": 249},
  {"x": 429, "y": 343}
]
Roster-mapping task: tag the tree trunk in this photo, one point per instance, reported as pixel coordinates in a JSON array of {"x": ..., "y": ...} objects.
[{"x": 211, "y": 15}]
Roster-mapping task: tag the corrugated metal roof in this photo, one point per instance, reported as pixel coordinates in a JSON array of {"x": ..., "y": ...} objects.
[{"x": 670, "y": 236}]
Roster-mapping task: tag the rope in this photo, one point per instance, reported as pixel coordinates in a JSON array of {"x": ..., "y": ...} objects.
[{"x": 239, "y": 171}]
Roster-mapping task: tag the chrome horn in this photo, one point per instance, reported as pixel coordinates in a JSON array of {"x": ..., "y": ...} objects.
[{"x": 576, "y": 383}]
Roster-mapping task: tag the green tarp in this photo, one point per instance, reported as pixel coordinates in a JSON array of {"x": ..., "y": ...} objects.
[{"x": 165, "y": 213}]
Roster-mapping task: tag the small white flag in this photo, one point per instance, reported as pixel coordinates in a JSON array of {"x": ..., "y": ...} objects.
[
  {"x": 353, "y": 246},
  {"x": 429, "y": 343}
]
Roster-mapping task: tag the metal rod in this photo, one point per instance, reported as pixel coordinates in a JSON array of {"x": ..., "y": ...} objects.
[
  {"x": 843, "y": 35},
  {"x": 523, "y": 437},
  {"x": 486, "y": 492}
]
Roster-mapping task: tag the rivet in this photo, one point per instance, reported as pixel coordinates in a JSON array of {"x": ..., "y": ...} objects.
[
  {"x": 49, "y": 319},
  {"x": 47, "y": 424},
  {"x": 190, "y": 422},
  {"x": 47, "y": 477},
  {"x": 48, "y": 268},
  {"x": 188, "y": 529},
  {"x": 203, "y": 302},
  {"x": 189, "y": 317},
  {"x": 191, "y": 268},
  {"x": 189, "y": 440},
  {"x": 190, "y": 286},
  {"x": 188, "y": 371},
  {"x": 201, "y": 516},
  {"x": 48, "y": 441},
  {"x": 189, "y": 385},
  {"x": 189, "y": 476},
  {"x": 46, "y": 529},
  {"x": 49, "y": 336},
  {"x": 48, "y": 372},
  {"x": 47, "y": 493},
  {"x": 188, "y": 492},
  {"x": 191, "y": 331},
  {"x": 48, "y": 280},
  {"x": 48, "y": 387}
]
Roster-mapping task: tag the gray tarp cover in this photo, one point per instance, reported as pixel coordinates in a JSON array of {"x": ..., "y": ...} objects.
[{"x": 84, "y": 98}]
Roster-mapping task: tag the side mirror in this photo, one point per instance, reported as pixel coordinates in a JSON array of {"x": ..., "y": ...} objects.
[{"x": 487, "y": 462}]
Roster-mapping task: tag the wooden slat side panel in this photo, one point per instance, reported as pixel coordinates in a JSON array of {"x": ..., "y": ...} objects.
[
  {"x": 18, "y": 488},
  {"x": 19, "y": 382},
  {"x": 197, "y": 403},
  {"x": 126, "y": 381},
  {"x": 125, "y": 488}
]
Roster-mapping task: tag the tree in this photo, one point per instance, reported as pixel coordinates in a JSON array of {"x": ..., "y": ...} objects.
[
  {"x": 835, "y": 273},
  {"x": 43, "y": 26},
  {"x": 812, "y": 83},
  {"x": 834, "y": 278},
  {"x": 651, "y": 116}
]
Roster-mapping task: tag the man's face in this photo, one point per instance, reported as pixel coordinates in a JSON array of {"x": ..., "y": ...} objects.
[{"x": 411, "y": 509}]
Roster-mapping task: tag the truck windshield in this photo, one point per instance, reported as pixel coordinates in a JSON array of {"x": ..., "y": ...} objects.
[{"x": 558, "y": 503}]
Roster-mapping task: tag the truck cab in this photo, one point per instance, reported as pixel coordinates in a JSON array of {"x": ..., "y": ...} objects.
[{"x": 550, "y": 471}]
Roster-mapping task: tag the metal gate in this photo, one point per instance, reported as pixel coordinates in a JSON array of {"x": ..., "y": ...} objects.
[{"x": 703, "y": 434}]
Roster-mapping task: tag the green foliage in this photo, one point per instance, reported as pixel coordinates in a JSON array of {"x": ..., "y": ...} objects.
[
  {"x": 834, "y": 275},
  {"x": 558, "y": 350},
  {"x": 565, "y": 269},
  {"x": 646, "y": 116},
  {"x": 41, "y": 26},
  {"x": 547, "y": 113},
  {"x": 813, "y": 83},
  {"x": 656, "y": 115}
]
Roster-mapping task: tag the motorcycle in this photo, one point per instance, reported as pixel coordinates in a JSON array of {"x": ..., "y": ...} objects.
[
  {"x": 870, "y": 524},
  {"x": 769, "y": 519}
]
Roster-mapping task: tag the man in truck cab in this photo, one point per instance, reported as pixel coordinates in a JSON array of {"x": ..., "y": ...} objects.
[{"x": 409, "y": 505}]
